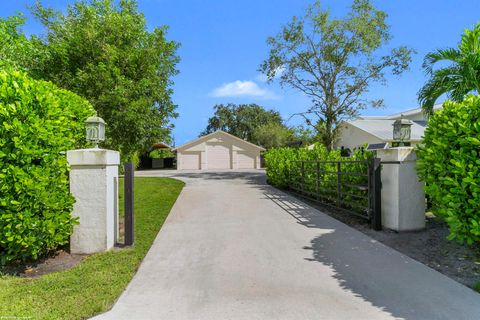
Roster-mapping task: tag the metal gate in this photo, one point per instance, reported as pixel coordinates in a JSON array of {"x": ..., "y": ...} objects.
[{"x": 350, "y": 185}]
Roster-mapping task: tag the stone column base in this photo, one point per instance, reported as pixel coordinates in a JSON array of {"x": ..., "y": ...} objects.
[
  {"x": 403, "y": 198},
  {"x": 94, "y": 184}
]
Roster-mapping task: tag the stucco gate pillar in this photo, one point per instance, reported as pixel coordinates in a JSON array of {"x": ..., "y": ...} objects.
[
  {"x": 403, "y": 198},
  {"x": 94, "y": 184}
]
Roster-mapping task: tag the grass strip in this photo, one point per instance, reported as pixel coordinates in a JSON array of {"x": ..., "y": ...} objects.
[{"x": 93, "y": 286}]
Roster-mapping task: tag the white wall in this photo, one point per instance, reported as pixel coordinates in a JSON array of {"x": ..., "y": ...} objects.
[
  {"x": 403, "y": 198},
  {"x": 94, "y": 184},
  {"x": 352, "y": 137},
  {"x": 233, "y": 144}
]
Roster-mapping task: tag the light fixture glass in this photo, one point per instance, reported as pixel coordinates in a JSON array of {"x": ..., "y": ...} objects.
[
  {"x": 402, "y": 131},
  {"x": 95, "y": 127}
]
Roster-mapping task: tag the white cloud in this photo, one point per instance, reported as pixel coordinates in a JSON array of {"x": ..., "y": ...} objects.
[{"x": 241, "y": 89}]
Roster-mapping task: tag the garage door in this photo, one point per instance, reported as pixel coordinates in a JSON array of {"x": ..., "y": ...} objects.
[
  {"x": 245, "y": 161},
  {"x": 218, "y": 156},
  {"x": 190, "y": 161}
]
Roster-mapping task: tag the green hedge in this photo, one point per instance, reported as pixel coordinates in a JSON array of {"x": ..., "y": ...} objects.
[
  {"x": 449, "y": 163},
  {"x": 38, "y": 124},
  {"x": 281, "y": 165},
  {"x": 161, "y": 153}
]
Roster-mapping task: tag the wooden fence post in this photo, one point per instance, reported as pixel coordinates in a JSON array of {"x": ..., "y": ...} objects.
[
  {"x": 376, "y": 180},
  {"x": 128, "y": 204},
  {"x": 339, "y": 181}
]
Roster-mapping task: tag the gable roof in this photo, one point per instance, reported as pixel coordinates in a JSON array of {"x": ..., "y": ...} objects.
[
  {"x": 161, "y": 145},
  {"x": 398, "y": 115},
  {"x": 383, "y": 128},
  {"x": 205, "y": 137},
  {"x": 414, "y": 111}
]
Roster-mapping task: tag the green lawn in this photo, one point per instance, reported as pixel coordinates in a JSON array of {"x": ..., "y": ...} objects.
[{"x": 92, "y": 286}]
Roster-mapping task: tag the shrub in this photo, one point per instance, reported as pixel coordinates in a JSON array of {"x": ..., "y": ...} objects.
[
  {"x": 281, "y": 165},
  {"x": 280, "y": 162},
  {"x": 38, "y": 124},
  {"x": 449, "y": 163},
  {"x": 161, "y": 153}
]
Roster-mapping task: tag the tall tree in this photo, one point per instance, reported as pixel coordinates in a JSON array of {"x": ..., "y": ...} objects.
[
  {"x": 241, "y": 120},
  {"x": 103, "y": 51},
  {"x": 305, "y": 134},
  {"x": 15, "y": 48},
  {"x": 334, "y": 62},
  {"x": 272, "y": 135},
  {"x": 460, "y": 77}
]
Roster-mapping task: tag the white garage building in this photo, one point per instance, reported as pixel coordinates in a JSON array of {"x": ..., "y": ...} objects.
[{"x": 216, "y": 151}]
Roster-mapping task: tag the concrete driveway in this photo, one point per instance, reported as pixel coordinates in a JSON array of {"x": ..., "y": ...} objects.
[{"x": 236, "y": 248}]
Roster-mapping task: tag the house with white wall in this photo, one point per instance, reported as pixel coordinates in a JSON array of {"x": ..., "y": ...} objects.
[{"x": 379, "y": 129}]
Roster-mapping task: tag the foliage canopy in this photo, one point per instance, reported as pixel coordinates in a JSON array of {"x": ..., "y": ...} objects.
[
  {"x": 334, "y": 62},
  {"x": 272, "y": 135},
  {"x": 241, "y": 120},
  {"x": 103, "y": 51},
  {"x": 15, "y": 49}
]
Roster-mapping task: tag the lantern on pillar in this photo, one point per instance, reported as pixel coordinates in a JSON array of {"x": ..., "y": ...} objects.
[
  {"x": 95, "y": 127},
  {"x": 402, "y": 129}
]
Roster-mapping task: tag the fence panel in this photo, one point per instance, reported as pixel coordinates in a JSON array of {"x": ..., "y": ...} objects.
[{"x": 350, "y": 185}]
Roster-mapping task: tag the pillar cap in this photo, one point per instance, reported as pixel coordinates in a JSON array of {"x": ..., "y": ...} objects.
[
  {"x": 397, "y": 154},
  {"x": 93, "y": 157}
]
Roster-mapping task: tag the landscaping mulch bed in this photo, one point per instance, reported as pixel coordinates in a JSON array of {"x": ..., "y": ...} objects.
[
  {"x": 55, "y": 261},
  {"x": 59, "y": 260},
  {"x": 429, "y": 246}
]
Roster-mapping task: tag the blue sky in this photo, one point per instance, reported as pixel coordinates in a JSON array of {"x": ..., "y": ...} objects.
[{"x": 223, "y": 43}]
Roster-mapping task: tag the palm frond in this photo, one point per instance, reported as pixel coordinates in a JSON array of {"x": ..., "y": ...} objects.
[
  {"x": 442, "y": 81},
  {"x": 461, "y": 77},
  {"x": 471, "y": 41},
  {"x": 450, "y": 54},
  {"x": 458, "y": 94}
]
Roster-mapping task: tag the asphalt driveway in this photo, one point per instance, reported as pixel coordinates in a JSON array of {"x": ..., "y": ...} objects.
[{"x": 236, "y": 248}]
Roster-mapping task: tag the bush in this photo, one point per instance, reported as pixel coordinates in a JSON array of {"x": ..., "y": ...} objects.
[
  {"x": 161, "y": 153},
  {"x": 278, "y": 162},
  {"x": 38, "y": 124},
  {"x": 281, "y": 165},
  {"x": 449, "y": 163}
]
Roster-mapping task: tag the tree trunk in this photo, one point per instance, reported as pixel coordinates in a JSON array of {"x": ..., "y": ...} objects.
[{"x": 328, "y": 135}]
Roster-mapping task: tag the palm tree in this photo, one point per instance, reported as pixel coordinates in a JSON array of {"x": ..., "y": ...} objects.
[{"x": 459, "y": 78}]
